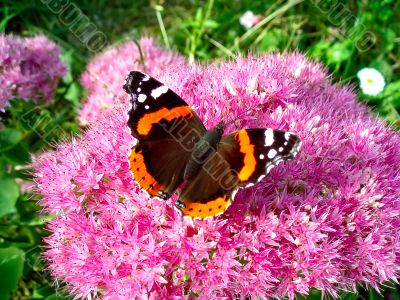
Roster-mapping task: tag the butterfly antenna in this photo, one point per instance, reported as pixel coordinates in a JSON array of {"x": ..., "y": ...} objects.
[
  {"x": 104, "y": 83},
  {"x": 141, "y": 54}
]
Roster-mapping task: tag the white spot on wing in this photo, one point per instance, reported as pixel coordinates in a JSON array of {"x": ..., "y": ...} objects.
[
  {"x": 270, "y": 167},
  {"x": 260, "y": 178},
  {"x": 234, "y": 194},
  {"x": 142, "y": 97},
  {"x": 159, "y": 91},
  {"x": 146, "y": 107},
  {"x": 269, "y": 137},
  {"x": 280, "y": 149},
  {"x": 146, "y": 77},
  {"x": 287, "y": 135},
  {"x": 261, "y": 156},
  {"x": 272, "y": 153},
  {"x": 139, "y": 89},
  {"x": 297, "y": 149},
  {"x": 229, "y": 204}
]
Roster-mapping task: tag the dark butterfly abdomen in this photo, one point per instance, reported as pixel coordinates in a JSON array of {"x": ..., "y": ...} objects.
[{"x": 206, "y": 146}]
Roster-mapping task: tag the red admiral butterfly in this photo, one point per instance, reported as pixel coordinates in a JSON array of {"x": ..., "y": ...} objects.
[{"x": 175, "y": 150}]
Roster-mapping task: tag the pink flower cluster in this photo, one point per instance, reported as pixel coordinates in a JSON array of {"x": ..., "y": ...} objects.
[
  {"x": 329, "y": 219},
  {"x": 105, "y": 73},
  {"x": 30, "y": 68}
]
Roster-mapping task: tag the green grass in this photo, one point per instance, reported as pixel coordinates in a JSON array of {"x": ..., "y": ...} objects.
[{"x": 203, "y": 31}]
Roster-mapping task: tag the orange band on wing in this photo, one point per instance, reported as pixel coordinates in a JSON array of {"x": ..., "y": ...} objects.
[
  {"x": 146, "y": 122},
  {"x": 209, "y": 209},
  {"x": 140, "y": 174},
  {"x": 248, "y": 150}
]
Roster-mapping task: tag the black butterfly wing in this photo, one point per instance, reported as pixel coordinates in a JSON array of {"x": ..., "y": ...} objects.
[
  {"x": 260, "y": 150},
  {"x": 242, "y": 158},
  {"x": 167, "y": 130}
]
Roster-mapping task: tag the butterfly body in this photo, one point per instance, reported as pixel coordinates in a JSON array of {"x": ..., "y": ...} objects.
[
  {"x": 175, "y": 151},
  {"x": 205, "y": 147}
]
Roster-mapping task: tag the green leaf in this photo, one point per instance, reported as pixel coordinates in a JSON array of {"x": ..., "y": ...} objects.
[
  {"x": 9, "y": 193},
  {"x": 373, "y": 294},
  {"x": 2, "y": 167},
  {"x": 349, "y": 296},
  {"x": 42, "y": 292},
  {"x": 9, "y": 138},
  {"x": 11, "y": 266},
  {"x": 318, "y": 49},
  {"x": 68, "y": 58},
  {"x": 55, "y": 296},
  {"x": 390, "y": 37},
  {"x": 314, "y": 294},
  {"x": 211, "y": 24},
  {"x": 271, "y": 40},
  {"x": 22, "y": 173},
  {"x": 199, "y": 14},
  {"x": 391, "y": 94},
  {"x": 18, "y": 155},
  {"x": 339, "y": 52},
  {"x": 74, "y": 93},
  {"x": 6, "y": 18},
  {"x": 58, "y": 296}
]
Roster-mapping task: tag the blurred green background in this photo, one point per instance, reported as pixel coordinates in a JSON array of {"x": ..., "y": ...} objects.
[{"x": 346, "y": 36}]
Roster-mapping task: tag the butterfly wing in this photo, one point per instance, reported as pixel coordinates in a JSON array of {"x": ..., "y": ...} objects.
[
  {"x": 260, "y": 150},
  {"x": 167, "y": 130},
  {"x": 242, "y": 158}
]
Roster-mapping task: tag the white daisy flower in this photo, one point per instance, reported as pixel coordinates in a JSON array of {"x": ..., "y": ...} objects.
[
  {"x": 248, "y": 19},
  {"x": 372, "y": 81}
]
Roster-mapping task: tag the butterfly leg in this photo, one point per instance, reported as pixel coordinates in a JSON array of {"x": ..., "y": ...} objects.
[
  {"x": 164, "y": 196},
  {"x": 179, "y": 204}
]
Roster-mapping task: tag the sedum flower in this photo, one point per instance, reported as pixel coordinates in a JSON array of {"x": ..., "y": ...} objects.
[
  {"x": 372, "y": 81},
  {"x": 30, "y": 68},
  {"x": 103, "y": 89},
  {"x": 326, "y": 220},
  {"x": 249, "y": 19}
]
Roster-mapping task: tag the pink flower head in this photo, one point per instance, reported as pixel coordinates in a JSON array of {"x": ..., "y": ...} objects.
[
  {"x": 105, "y": 73},
  {"x": 30, "y": 68},
  {"x": 326, "y": 220}
]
